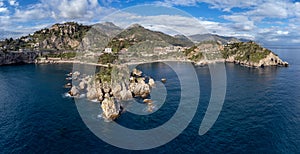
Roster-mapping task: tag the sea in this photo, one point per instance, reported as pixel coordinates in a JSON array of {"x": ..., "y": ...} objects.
[{"x": 260, "y": 112}]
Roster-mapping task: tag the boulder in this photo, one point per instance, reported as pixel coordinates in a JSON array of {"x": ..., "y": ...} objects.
[
  {"x": 132, "y": 79},
  {"x": 137, "y": 72},
  {"x": 76, "y": 74},
  {"x": 106, "y": 95},
  {"x": 92, "y": 94},
  {"x": 106, "y": 88},
  {"x": 151, "y": 82},
  {"x": 141, "y": 89},
  {"x": 125, "y": 95},
  {"x": 147, "y": 101},
  {"x": 74, "y": 91},
  {"x": 110, "y": 109},
  {"x": 163, "y": 80},
  {"x": 116, "y": 90},
  {"x": 82, "y": 85}
]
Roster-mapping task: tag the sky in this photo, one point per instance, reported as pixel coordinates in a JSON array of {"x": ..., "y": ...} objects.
[{"x": 271, "y": 22}]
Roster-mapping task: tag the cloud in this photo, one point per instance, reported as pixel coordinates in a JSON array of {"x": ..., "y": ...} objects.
[
  {"x": 225, "y": 5},
  {"x": 175, "y": 24},
  {"x": 60, "y": 10},
  {"x": 263, "y": 20},
  {"x": 279, "y": 32},
  {"x": 270, "y": 10},
  {"x": 70, "y": 9},
  {"x": 47, "y": 12},
  {"x": 3, "y": 10},
  {"x": 171, "y": 24},
  {"x": 240, "y": 22},
  {"x": 13, "y": 2},
  {"x": 35, "y": 12}
]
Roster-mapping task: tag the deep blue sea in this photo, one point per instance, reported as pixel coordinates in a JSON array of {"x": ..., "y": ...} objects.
[{"x": 261, "y": 112}]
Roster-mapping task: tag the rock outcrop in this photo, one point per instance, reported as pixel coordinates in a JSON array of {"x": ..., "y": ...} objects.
[
  {"x": 74, "y": 91},
  {"x": 140, "y": 89},
  {"x": 109, "y": 94},
  {"x": 248, "y": 54},
  {"x": 251, "y": 54},
  {"x": 269, "y": 60},
  {"x": 111, "y": 110},
  {"x": 151, "y": 82},
  {"x": 7, "y": 58}
]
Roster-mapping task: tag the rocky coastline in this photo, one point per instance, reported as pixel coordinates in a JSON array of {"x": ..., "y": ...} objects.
[
  {"x": 111, "y": 94},
  {"x": 10, "y": 58}
]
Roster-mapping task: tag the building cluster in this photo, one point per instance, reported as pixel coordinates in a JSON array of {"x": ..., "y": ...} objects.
[{"x": 168, "y": 49}]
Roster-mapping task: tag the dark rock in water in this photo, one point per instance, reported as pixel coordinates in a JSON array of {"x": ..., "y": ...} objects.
[{"x": 163, "y": 80}]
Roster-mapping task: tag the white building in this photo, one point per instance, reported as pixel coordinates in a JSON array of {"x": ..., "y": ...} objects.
[{"x": 108, "y": 50}]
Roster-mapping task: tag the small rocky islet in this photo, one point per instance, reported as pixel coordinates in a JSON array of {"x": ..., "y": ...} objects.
[{"x": 110, "y": 94}]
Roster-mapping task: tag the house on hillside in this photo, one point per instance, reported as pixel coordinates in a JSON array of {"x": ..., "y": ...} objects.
[{"x": 108, "y": 50}]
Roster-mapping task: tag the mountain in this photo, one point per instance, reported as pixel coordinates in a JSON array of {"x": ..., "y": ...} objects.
[
  {"x": 66, "y": 36},
  {"x": 72, "y": 36},
  {"x": 99, "y": 36},
  {"x": 59, "y": 37},
  {"x": 212, "y": 37},
  {"x": 137, "y": 34},
  {"x": 182, "y": 38},
  {"x": 108, "y": 28},
  {"x": 75, "y": 37}
]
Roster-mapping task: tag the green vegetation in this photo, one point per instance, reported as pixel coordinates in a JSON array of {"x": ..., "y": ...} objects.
[
  {"x": 104, "y": 74},
  {"x": 189, "y": 50},
  {"x": 59, "y": 37},
  {"x": 13, "y": 45},
  {"x": 248, "y": 51},
  {"x": 197, "y": 57},
  {"x": 118, "y": 45},
  {"x": 137, "y": 34},
  {"x": 107, "y": 58}
]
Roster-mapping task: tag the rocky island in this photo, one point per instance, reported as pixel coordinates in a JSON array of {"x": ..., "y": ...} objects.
[{"x": 111, "y": 89}]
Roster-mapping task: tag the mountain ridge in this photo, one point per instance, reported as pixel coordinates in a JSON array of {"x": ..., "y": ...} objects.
[{"x": 74, "y": 37}]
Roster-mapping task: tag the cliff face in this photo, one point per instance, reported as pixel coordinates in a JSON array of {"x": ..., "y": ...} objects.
[
  {"x": 7, "y": 58},
  {"x": 65, "y": 36},
  {"x": 59, "y": 37}
]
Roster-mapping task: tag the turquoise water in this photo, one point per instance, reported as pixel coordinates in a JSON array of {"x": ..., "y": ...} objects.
[{"x": 261, "y": 112}]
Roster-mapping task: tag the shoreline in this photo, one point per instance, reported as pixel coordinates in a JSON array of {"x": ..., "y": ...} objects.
[{"x": 201, "y": 63}]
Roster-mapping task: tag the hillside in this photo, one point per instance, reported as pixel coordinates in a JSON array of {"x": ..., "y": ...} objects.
[
  {"x": 59, "y": 37},
  {"x": 98, "y": 37},
  {"x": 137, "y": 34},
  {"x": 251, "y": 54},
  {"x": 63, "y": 40},
  {"x": 248, "y": 54},
  {"x": 212, "y": 37}
]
